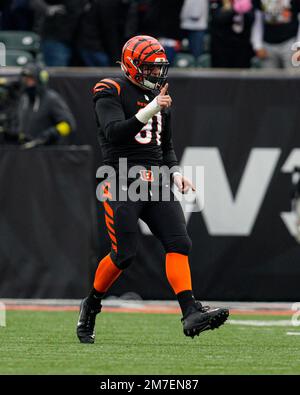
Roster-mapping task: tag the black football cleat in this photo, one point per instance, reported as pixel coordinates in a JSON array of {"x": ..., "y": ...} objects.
[
  {"x": 201, "y": 318},
  {"x": 86, "y": 322}
]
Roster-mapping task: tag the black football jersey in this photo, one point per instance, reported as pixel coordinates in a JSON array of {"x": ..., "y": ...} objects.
[{"x": 122, "y": 135}]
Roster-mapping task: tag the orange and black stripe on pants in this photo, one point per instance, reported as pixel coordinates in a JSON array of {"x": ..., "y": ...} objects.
[
  {"x": 109, "y": 216},
  {"x": 109, "y": 220}
]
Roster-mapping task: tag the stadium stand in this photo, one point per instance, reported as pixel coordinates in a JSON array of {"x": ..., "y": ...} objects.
[
  {"x": 204, "y": 60},
  {"x": 184, "y": 60},
  {"x": 18, "y": 58},
  {"x": 21, "y": 41}
]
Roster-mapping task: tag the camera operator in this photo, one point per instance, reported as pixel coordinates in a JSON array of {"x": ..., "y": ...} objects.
[
  {"x": 9, "y": 96},
  {"x": 43, "y": 116}
]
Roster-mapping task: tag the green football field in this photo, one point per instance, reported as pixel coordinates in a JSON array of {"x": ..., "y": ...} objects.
[{"x": 137, "y": 343}]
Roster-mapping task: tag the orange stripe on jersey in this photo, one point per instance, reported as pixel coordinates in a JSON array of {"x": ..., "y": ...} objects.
[
  {"x": 114, "y": 83},
  {"x": 100, "y": 86}
]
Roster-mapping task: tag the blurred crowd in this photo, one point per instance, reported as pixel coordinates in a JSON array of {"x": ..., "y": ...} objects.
[{"x": 204, "y": 33}]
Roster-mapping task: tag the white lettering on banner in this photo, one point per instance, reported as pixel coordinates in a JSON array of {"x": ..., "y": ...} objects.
[
  {"x": 289, "y": 217},
  {"x": 224, "y": 214}
]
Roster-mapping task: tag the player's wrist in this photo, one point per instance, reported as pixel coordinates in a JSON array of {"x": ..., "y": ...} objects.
[
  {"x": 149, "y": 111},
  {"x": 175, "y": 174}
]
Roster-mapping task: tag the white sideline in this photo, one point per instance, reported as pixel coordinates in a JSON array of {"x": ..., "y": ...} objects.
[
  {"x": 293, "y": 333},
  {"x": 135, "y": 300},
  {"x": 261, "y": 323}
]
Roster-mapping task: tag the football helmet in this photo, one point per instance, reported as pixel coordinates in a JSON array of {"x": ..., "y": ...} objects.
[{"x": 144, "y": 62}]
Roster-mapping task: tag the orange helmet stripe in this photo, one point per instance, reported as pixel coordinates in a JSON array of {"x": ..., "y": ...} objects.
[
  {"x": 147, "y": 55},
  {"x": 152, "y": 46},
  {"x": 143, "y": 40}
]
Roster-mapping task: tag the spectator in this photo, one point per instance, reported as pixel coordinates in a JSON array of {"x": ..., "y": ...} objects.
[
  {"x": 275, "y": 30},
  {"x": 231, "y": 22},
  {"x": 15, "y": 15},
  {"x": 91, "y": 36},
  {"x": 56, "y": 23},
  {"x": 194, "y": 21},
  {"x": 113, "y": 20},
  {"x": 134, "y": 17},
  {"x": 43, "y": 116},
  {"x": 163, "y": 21}
]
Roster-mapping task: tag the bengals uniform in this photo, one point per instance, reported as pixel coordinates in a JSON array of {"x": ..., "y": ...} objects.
[
  {"x": 122, "y": 135},
  {"x": 133, "y": 120}
]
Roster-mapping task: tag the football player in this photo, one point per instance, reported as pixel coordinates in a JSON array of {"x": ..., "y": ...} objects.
[{"x": 133, "y": 119}]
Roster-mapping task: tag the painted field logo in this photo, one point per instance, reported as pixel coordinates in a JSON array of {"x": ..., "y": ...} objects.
[
  {"x": 2, "y": 314},
  {"x": 295, "y": 316},
  {"x": 2, "y": 55}
]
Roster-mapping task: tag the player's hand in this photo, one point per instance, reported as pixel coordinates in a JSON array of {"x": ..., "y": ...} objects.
[
  {"x": 56, "y": 9},
  {"x": 261, "y": 53},
  {"x": 183, "y": 184},
  {"x": 164, "y": 99}
]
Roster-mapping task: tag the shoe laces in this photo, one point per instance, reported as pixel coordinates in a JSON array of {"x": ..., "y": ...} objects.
[
  {"x": 91, "y": 316},
  {"x": 202, "y": 309},
  {"x": 90, "y": 321},
  {"x": 195, "y": 308}
]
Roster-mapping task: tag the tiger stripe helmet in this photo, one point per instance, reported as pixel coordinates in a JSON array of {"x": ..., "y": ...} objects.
[{"x": 144, "y": 62}]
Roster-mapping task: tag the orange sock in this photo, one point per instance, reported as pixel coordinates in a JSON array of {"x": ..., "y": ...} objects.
[
  {"x": 178, "y": 272},
  {"x": 106, "y": 274}
]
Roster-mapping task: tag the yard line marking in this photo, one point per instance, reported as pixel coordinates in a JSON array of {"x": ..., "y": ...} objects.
[
  {"x": 261, "y": 323},
  {"x": 293, "y": 333},
  {"x": 2, "y": 314}
]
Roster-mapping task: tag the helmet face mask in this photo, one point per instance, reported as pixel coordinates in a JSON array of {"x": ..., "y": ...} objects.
[
  {"x": 154, "y": 74},
  {"x": 144, "y": 62}
]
